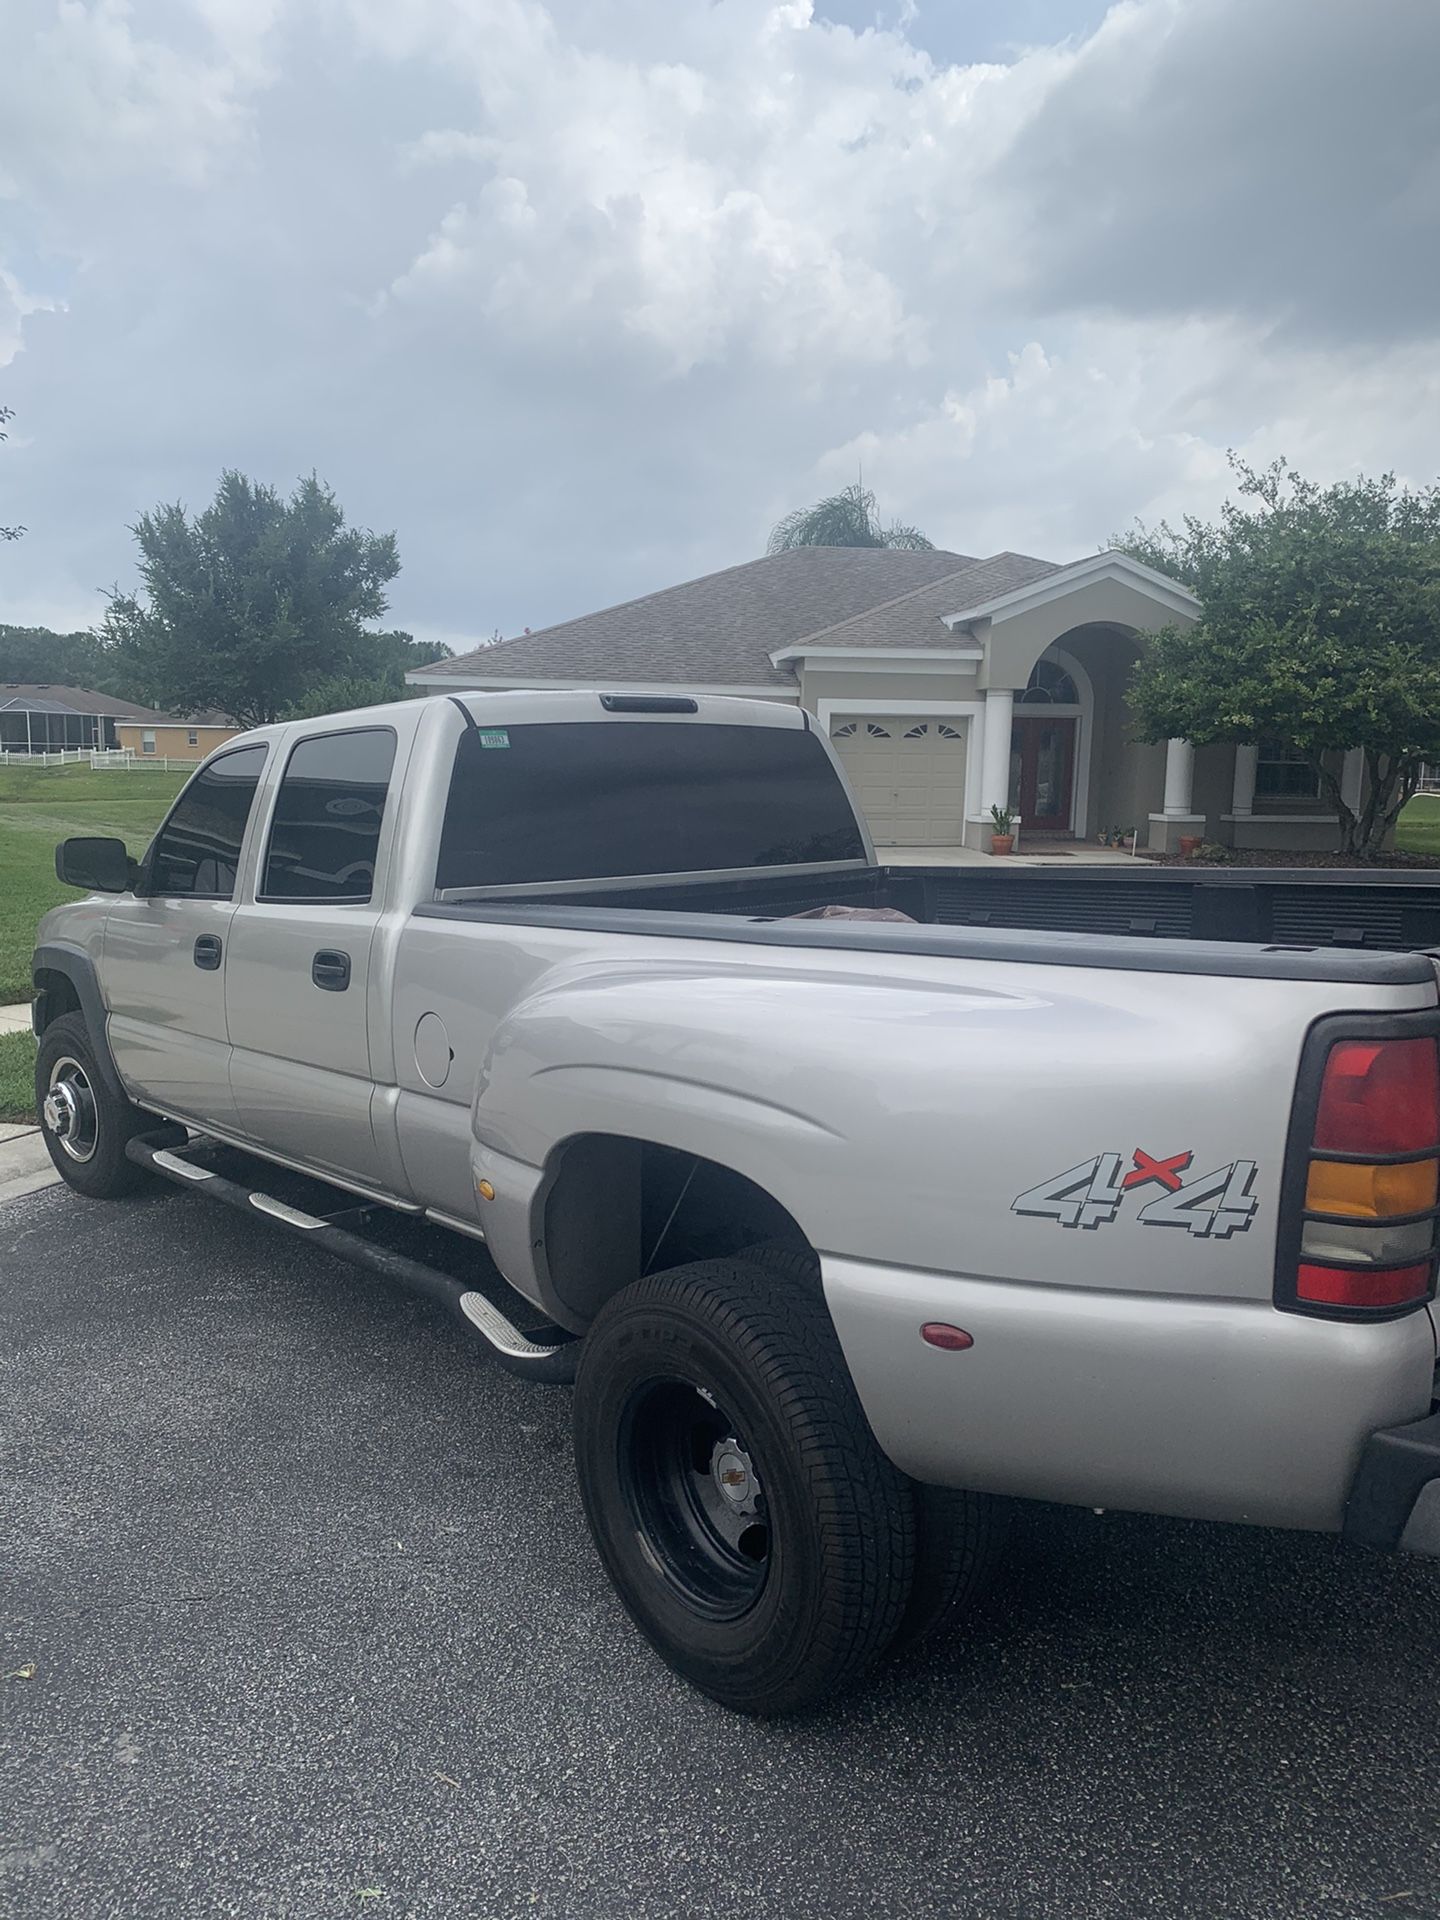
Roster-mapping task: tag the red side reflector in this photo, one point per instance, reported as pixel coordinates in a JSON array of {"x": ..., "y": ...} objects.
[
  {"x": 1379, "y": 1096},
  {"x": 938, "y": 1333},
  {"x": 1363, "y": 1286}
]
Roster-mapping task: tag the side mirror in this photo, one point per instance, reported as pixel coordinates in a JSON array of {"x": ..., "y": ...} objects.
[{"x": 99, "y": 866}]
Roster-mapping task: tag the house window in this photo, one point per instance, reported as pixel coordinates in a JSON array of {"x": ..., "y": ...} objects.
[
  {"x": 844, "y": 733},
  {"x": 147, "y": 740},
  {"x": 192, "y": 738},
  {"x": 1049, "y": 685},
  {"x": 1282, "y": 774}
]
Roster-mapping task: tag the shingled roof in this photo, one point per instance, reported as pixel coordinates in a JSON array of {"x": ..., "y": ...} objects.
[
  {"x": 29, "y": 697},
  {"x": 917, "y": 618},
  {"x": 720, "y": 630}
]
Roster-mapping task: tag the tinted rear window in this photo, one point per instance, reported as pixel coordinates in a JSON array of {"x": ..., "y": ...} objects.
[
  {"x": 328, "y": 815},
  {"x": 610, "y": 798}
]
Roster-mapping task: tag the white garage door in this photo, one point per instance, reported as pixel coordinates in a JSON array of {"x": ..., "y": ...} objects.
[{"x": 908, "y": 774}]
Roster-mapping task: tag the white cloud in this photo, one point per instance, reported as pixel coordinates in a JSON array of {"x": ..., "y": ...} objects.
[
  {"x": 87, "y": 95},
  {"x": 1136, "y": 420},
  {"x": 579, "y": 297}
]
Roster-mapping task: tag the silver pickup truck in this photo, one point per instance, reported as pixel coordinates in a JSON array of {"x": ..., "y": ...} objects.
[{"x": 853, "y": 1213}]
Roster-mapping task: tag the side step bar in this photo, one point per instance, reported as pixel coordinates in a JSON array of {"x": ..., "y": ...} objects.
[{"x": 552, "y": 1355}]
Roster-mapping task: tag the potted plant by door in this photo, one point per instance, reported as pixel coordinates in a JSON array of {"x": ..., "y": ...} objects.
[{"x": 1002, "y": 840}]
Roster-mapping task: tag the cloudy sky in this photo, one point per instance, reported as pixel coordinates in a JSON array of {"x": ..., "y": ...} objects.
[{"x": 579, "y": 297}]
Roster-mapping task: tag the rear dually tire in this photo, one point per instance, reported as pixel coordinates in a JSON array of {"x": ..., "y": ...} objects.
[{"x": 754, "y": 1531}]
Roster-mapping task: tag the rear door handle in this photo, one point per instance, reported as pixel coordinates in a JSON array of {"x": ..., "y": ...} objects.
[
  {"x": 208, "y": 951},
  {"x": 330, "y": 970}
]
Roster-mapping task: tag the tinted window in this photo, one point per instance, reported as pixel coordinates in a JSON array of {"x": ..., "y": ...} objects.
[
  {"x": 328, "y": 815},
  {"x": 585, "y": 801},
  {"x": 197, "y": 850}
]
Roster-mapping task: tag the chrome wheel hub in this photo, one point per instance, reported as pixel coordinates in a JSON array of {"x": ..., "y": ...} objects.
[{"x": 68, "y": 1109}]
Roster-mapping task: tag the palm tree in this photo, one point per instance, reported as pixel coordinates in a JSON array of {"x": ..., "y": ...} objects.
[{"x": 844, "y": 520}]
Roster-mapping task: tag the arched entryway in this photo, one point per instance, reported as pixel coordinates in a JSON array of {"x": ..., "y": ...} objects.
[{"x": 1051, "y": 734}]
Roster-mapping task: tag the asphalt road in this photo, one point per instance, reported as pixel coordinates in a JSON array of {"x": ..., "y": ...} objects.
[{"x": 316, "y": 1629}]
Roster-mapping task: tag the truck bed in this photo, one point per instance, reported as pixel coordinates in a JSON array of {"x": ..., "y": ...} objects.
[
  {"x": 1276, "y": 922},
  {"x": 1383, "y": 910}
]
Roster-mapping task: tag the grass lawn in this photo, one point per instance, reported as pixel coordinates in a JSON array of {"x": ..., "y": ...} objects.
[
  {"x": 39, "y": 806},
  {"x": 17, "y": 1076},
  {"x": 1418, "y": 830}
]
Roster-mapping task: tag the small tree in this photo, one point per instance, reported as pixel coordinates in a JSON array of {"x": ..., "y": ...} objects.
[
  {"x": 341, "y": 695},
  {"x": 251, "y": 603},
  {"x": 1321, "y": 628},
  {"x": 845, "y": 519},
  {"x": 8, "y": 413}
]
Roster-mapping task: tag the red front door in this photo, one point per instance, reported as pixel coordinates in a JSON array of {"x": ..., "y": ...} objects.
[{"x": 1042, "y": 772}]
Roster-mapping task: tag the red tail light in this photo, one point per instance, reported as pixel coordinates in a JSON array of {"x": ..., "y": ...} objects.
[
  {"x": 1380, "y": 1097},
  {"x": 1366, "y": 1287},
  {"x": 1362, "y": 1171}
]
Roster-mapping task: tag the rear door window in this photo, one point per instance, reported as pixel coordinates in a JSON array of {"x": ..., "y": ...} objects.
[
  {"x": 197, "y": 851},
  {"x": 606, "y": 799},
  {"x": 325, "y": 831}
]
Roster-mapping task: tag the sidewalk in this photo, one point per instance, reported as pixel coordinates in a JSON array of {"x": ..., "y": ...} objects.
[{"x": 24, "y": 1163}]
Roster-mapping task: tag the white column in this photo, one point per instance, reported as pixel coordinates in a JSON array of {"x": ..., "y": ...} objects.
[
  {"x": 1242, "y": 804},
  {"x": 995, "y": 752},
  {"x": 1179, "y": 778},
  {"x": 1352, "y": 778}
]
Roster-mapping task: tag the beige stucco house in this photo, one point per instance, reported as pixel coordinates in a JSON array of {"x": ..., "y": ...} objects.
[
  {"x": 948, "y": 685},
  {"x": 162, "y": 737}
]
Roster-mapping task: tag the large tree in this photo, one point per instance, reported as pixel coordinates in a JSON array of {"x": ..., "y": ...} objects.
[
  {"x": 60, "y": 659},
  {"x": 6, "y": 414},
  {"x": 249, "y": 604},
  {"x": 1321, "y": 628},
  {"x": 846, "y": 519}
]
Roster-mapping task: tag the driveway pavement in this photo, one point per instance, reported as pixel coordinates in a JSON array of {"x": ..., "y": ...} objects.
[{"x": 300, "y": 1619}]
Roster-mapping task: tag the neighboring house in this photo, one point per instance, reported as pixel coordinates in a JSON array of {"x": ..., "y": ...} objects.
[
  {"x": 947, "y": 685},
  {"x": 170, "y": 739},
  {"x": 51, "y": 719}
]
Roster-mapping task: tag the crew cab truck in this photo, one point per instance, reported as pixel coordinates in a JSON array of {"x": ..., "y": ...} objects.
[{"x": 850, "y": 1227}]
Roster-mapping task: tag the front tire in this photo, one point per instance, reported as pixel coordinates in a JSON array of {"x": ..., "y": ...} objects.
[
  {"x": 753, "y": 1529},
  {"x": 85, "y": 1125}
]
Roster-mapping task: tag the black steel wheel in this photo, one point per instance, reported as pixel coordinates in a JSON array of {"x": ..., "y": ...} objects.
[{"x": 689, "y": 1478}]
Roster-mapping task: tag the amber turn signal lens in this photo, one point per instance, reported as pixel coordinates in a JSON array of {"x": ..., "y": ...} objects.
[{"x": 1371, "y": 1193}]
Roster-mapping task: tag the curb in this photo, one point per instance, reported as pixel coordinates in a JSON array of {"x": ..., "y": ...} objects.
[{"x": 25, "y": 1165}]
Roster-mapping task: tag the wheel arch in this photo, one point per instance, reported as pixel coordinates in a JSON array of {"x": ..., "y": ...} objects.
[
  {"x": 615, "y": 1207},
  {"x": 66, "y": 982}
]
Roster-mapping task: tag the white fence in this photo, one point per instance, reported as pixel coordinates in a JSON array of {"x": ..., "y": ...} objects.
[
  {"x": 116, "y": 760},
  {"x": 121, "y": 760},
  {"x": 69, "y": 757}
]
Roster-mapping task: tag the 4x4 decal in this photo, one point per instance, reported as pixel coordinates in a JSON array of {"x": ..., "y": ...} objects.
[{"x": 1211, "y": 1206}]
